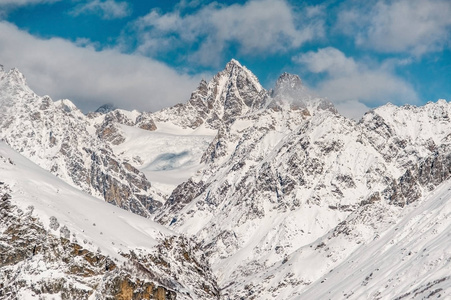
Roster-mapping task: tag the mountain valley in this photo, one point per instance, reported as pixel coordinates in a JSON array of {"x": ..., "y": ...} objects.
[{"x": 238, "y": 193}]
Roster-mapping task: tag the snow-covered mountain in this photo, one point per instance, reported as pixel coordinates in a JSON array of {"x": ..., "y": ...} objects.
[
  {"x": 231, "y": 93},
  {"x": 280, "y": 177},
  {"x": 284, "y": 197},
  {"x": 60, "y": 138},
  {"x": 57, "y": 241}
]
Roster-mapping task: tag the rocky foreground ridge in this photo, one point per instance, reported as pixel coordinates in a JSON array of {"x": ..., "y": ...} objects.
[
  {"x": 58, "y": 242},
  {"x": 286, "y": 193}
]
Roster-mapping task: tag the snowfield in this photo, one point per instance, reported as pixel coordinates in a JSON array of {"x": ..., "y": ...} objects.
[
  {"x": 168, "y": 156},
  {"x": 91, "y": 221},
  {"x": 410, "y": 260}
]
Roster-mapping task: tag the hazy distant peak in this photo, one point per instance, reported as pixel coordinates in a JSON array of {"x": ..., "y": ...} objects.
[{"x": 105, "y": 108}]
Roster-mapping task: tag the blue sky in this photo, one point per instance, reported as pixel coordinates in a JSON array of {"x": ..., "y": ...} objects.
[{"x": 151, "y": 54}]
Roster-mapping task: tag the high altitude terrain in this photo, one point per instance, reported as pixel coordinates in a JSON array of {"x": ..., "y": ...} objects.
[{"x": 258, "y": 194}]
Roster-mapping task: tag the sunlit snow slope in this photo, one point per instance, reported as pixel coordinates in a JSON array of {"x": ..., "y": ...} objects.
[
  {"x": 281, "y": 195},
  {"x": 57, "y": 242},
  {"x": 106, "y": 226},
  {"x": 411, "y": 260},
  {"x": 379, "y": 252}
]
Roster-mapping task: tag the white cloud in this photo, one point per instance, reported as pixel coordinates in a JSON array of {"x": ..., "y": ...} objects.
[
  {"x": 87, "y": 43},
  {"x": 255, "y": 27},
  {"x": 24, "y": 2},
  {"x": 7, "y": 6},
  {"x": 352, "y": 109},
  {"x": 328, "y": 60},
  {"x": 413, "y": 26},
  {"x": 353, "y": 85},
  {"x": 91, "y": 78},
  {"x": 108, "y": 9}
]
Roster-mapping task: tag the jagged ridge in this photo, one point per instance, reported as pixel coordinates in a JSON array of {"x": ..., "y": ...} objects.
[{"x": 287, "y": 180}]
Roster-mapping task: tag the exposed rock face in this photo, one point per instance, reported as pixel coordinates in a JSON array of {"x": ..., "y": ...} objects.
[
  {"x": 109, "y": 128},
  {"x": 34, "y": 261},
  {"x": 184, "y": 258},
  {"x": 25, "y": 243},
  {"x": 56, "y": 135},
  {"x": 290, "y": 91},
  {"x": 231, "y": 93},
  {"x": 414, "y": 140},
  {"x": 287, "y": 181},
  {"x": 108, "y": 131},
  {"x": 181, "y": 196},
  {"x": 427, "y": 174},
  {"x": 145, "y": 121},
  {"x": 296, "y": 157}
]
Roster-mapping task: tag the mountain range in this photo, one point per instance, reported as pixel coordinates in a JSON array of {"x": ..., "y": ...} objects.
[{"x": 238, "y": 193}]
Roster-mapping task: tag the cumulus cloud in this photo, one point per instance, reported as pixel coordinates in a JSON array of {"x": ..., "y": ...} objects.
[
  {"x": 108, "y": 9},
  {"x": 413, "y": 26},
  {"x": 256, "y": 27},
  {"x": 354, "y": 86},
  {"x": 91, "y": 78}
]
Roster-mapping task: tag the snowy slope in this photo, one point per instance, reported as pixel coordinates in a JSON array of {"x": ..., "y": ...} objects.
[
  {"x": 284, "y": 197},
  {"x": 83, "y": 247},
  {"x": 111, "y": 228},
  {"x": 60, "y": 138},
  {"x": 411, "y": 260},
  {"x": 281, "y": 177},
  {"x": 405, "y": 134},
  {"x": 379, "y": 252},
  {"x": 167, "y": 156},
  {"x": 284, "y": 177}
]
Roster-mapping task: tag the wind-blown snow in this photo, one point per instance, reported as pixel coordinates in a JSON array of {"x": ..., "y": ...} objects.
[{"x": 168, "y": 156}]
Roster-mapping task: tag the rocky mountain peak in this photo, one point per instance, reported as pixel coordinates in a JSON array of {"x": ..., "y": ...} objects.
[
  {"x": 105, "y": 108},
  {"x": 66, "y": 105},
  {"x": 13, "y": 82},
  {"x": 233, "y": 64},
  {"x": 202, "y": 84},
  {"x": 202, "y": 89},
  {"x": 236, "y": 73},
  {"x": 231, "y": 93},
  {"x": 287, "y": 80},
  {"x": 290, "y": 90},
  {"x": 234, "y": 91},
  {"x": 15, "y": 76}
]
